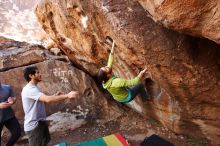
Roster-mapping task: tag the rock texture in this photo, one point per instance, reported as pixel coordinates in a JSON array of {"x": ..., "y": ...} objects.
[
  {"x": 196, "y": 17},
  {"x": 58, "y": 75},
  {"x": 14, "y": 54},
  {"x": 185, "y": 70},
  {"x": 19, "y": 22}
]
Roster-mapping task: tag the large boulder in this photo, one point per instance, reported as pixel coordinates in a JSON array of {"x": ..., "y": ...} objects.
[
  {"x": 58, "y": 74},
  {"x": 19, "y": 22},
  {"x": 185, "y": 70},
  {"x": 14, "y": 54},
  {"x": 195, "y": 17}
]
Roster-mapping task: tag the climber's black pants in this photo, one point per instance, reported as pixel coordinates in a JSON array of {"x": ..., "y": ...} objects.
[{"x": 138, "y": 89}]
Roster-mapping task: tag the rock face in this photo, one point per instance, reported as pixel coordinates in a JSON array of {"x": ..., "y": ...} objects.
[
  {"x": 12, "y": 56},
  {"x": 57, "y": 75},
  {"x": 185, "y": 70},
  {"x": 198, "y": 18},
  {"x": 19, "y": 22}
]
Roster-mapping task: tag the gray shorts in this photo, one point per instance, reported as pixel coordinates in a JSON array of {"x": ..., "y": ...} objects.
[{"x": 40, "y": 135}]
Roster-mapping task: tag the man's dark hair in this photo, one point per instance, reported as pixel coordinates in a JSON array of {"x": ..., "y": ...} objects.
[
  {"x": 30, "y": 70},
  {"x": 102, "y": 76}
]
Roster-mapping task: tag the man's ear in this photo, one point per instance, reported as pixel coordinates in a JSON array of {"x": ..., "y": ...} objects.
[{"x": 31, "y": 76}]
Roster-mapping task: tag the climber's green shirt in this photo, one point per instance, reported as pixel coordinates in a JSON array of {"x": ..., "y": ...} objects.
[{"x": 117, "y": 86}]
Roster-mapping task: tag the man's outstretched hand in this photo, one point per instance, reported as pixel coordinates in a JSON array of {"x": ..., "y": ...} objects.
[
  {"x": 59, "y": 93},
  {"x": 73, "y": 94}
]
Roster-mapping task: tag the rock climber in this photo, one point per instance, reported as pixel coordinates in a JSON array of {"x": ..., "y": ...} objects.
[{"x": 122, "y": 90}]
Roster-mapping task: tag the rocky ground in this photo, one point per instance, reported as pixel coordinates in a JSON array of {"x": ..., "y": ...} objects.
[{"x": 133, "y": 128}]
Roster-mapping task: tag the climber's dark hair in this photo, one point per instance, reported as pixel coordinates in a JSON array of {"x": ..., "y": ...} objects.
[
  {"x": 30, "y": 70},
  {"x": 102, "y": 76}
]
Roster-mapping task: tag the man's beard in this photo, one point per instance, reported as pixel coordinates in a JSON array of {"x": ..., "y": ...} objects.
[{"x": 38, "y": 80}]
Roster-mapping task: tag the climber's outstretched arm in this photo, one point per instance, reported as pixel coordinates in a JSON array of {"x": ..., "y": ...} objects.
[
  {"x": 113, "y": 47},
  {"x": 111, "y": 56},
  {"x": 119, "y": 82}
]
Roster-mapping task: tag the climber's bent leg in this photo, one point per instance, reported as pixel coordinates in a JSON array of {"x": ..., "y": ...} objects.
[
  {"x": 134, "y": 91},
  {"x": 138, "y": 89}
]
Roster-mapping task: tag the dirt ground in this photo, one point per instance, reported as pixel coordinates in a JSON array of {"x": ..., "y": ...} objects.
[{"x": 131, "y": 126}]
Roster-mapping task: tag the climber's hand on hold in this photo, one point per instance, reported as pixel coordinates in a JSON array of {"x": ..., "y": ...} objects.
[{"x": 140, "y": 75}]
